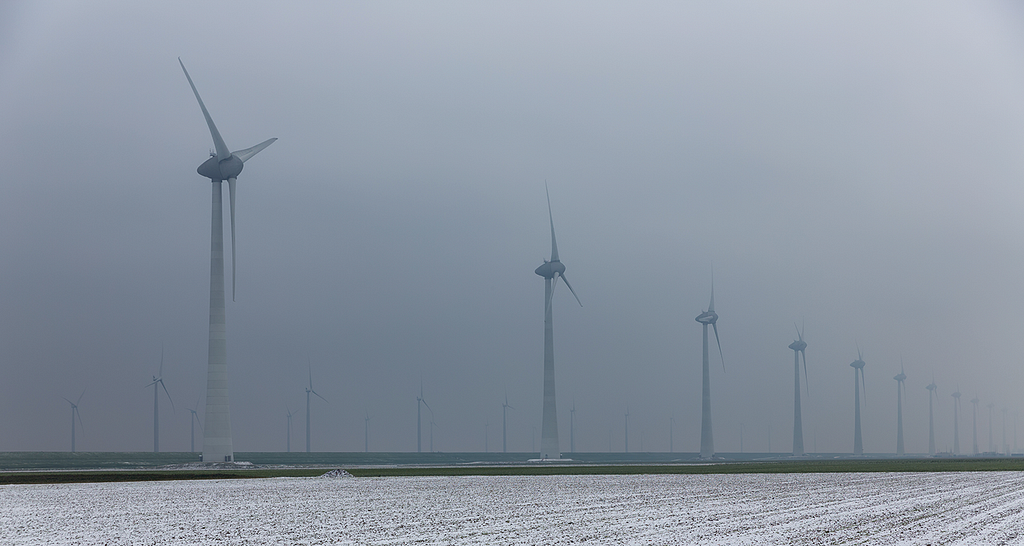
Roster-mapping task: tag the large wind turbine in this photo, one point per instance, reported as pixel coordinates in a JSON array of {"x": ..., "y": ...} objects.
[
  {"x": 858, "y": 369},
  {"x": 504, "y": 424},
  {"x": 901, "y": 387},
  {"x": 309, "y": 391},
  {"x": 420, "y": 400},
  {"x": 708, "y": 318},
  {"x": 974, "y": 418},
  {"x": 932, "y": 390},
  {"x": 222, "y": 165},
  {"x": 193, "y": 419},
  {"x": 74, "y": 412},
  {"x": 799, "y": 348},
  {"x": 158, "y": 381},
  {"x": 956, "y": 421},
  {"x": 551, "y": 270}
]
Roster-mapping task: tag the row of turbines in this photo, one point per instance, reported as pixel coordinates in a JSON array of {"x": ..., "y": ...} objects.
[{"x": 225, "y": 165}]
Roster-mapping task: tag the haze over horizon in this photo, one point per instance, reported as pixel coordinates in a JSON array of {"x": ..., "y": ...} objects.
[{"x": 855, "y": 168}]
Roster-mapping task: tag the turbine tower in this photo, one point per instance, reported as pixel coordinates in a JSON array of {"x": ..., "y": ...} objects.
[
  {"x": 288, "y": 444},
  {"x": 504, "y": 424},
  {"x": 858, "y": 370},
  {"x": 74, "y": 412},
  {"x": 366, "y": 433},
  {"x": 193, "y": 419},
  {"x": 309, "y": 391},
  {"x": 551, "y": 270},
  {"x": 572, "y": 428},
  {"x": 900, "y": 389},
  {"x": 974, "y": 418},
  {"x": 991, "y": 441},
  {"x": 932, "y": 390},
  {"x": 627, "y": 429},
  {"x": 222, "y": 165},
  {"x": 956, "y": 421},
  {"x": 799, "y": 348},
  {"x": 158, "y": 381},
  {"x": 420, "y": 400},
  {"x": 708, "y": 318}
]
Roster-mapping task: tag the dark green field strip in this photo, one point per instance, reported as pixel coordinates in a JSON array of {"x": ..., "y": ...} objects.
[
  {"x": 885, "y": 465},
  {"x": 74, "y": 476}
]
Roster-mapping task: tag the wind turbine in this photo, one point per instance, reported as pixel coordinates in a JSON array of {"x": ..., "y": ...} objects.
[
  {"x": 1005, "y": 446},
  {"x": 309, "y": 391},
  {"x": 708, "y": 318},
  {"x": 366, "y": 433},
  {"x": 933, "y": 389},
  {"x": 193, "y": 419},
  {"x": 289, "y": 442},
  {"x": 222, "y": 165},
  {"x": 799, "y": 348},
  {"x": 974, "y": 417},
  {"x": 158, "y": 381},
  {"x": 901, "y": 387},
  {"x": 858, "y": 369},
  {"x": 432, "y": 426},
  {"x": 572, "y": 428},
  {"x": 551, "y": 270},
  {"x": 504, "y": 425},
  {"x": 671, "y": 433},
  {"x": 991, "y": 441},
  {"x": 74, "y": 412},
  {"x": 956, "y": 421},
  {"x": 627, "y": 429},
  {"x": 420, "y": 400}
]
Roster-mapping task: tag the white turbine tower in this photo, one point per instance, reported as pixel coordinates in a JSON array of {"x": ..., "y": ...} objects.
[
  {"x": 956, "y": 421},
  {"x": 901, "y": 387},
  {"x": 193, "y": 419},
  {"x": 222, "y": 165},
  {"x": 933, "y": 390},
  {"x": 708, "y": 318},
  {"x": 799, "y": 347},
  {"x": 309, "y": 391},
  {"x": 158, "y": 381},
  {"x": 551, "y": 270},
  {"x": 74, "y": 412},
  {"x": 858, "y": 373}
]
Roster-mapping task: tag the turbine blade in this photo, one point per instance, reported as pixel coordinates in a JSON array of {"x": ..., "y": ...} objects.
[
  {"x": 318, "y": 395},
  {"x": 864, "y": 387},
  {"x": 715, "y": 326},
  {"x": 247, "y": 153},
  {"x": 168, "y": 395},
  {"x": 218, "y": 142},
  {"x": 551, "y": 296},
  {"x": 711, "y": 306},
  {"x": 161, "y": 360},
  {"x": 231, "y": 200},
  {"x": 807, "y": 385},
  {"x": 79, "y": 418},
  {"x": 80, "y": 397},
  {"x": 72, "y": 403},
  {"x": 554, "y": 246},
  {"x": 426, "y": 404},
  {"x": 570, "y": 289}
]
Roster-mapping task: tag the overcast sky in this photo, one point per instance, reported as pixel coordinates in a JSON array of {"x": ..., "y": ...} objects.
[{"x": 854, "y": 166}]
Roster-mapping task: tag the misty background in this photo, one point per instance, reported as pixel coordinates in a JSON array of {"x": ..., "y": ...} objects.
[{"x": 855, "y": 167}]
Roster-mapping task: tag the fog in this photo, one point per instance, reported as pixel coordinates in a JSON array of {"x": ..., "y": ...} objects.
[{"x": 855, "y": 168}]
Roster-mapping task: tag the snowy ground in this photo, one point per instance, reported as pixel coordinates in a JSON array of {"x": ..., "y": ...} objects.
[{"x": 925, "y": 508}]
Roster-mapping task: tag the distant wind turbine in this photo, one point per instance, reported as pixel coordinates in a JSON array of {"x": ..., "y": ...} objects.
[
  {"x": 956, "y": 421},
  {"x": 74, "y": 412},
  {"x": 310, "y": 391},
  {"x": 420, "y": 400},
  {"x": 366, "y": 433},
  {"x": 901, "y": 387},
  {"x": 158, "y": 381},
  {"x": 799, "y": 347},
  {"x": 974, "y": 418},
  {"x": 627, "y": 429},
  {"x": 222, "y": 165},
  {"x": 289, "y": 442},
  {"x": 708, "y": 318},
  {"x": 572, "y": 428},
  {"x": 991, "y": 440},
  {"x": 858, "y": 370},
  {"x": 504, "y": 424},
  {"x": 933, "y": 389},
  {"x": 551, "y": 270},
  {"x": 193, "y": 419}
]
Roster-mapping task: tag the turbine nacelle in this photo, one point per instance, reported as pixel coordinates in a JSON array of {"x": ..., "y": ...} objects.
[
  {"x": 798, "y": 345},
  {"x": 900, "y": 377},
  {"x": 707, "y": 317},
  {"x": 859, "y": 364},
  {"x": 226, "y": 169},
  {"x": 550, "y": 268}
]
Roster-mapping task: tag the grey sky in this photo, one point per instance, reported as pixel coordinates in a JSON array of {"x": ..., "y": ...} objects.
[{"x": 856, "y": 166}]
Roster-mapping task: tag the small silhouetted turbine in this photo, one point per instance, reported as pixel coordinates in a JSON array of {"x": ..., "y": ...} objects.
[
  {"x": 420, "y": 400},
  {"x": 974, "y": 418},
  {"x": 956, "y": 421},
  {"x": 158, "y": 381},
  {"x": 799, "y": 348},
  {"x": 858, "y": 373},
  {"x": 310, "y": 391},
  {"x": 933, "y": 390},
  {"x": 708, "y": 318},
  {"x": 901, "y": 387},
  {"x": 504, "y": 424},
  {"x": 74, "y": 412},
  {"x": 991, "y": 440},
  {"x": 193, "y": 419}
]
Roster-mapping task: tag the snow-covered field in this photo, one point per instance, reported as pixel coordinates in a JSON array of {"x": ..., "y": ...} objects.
[{"x": 936, "y": 508}]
